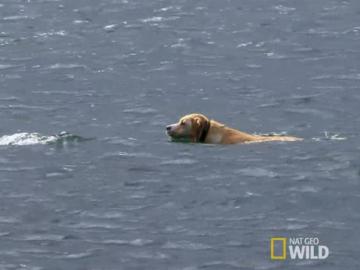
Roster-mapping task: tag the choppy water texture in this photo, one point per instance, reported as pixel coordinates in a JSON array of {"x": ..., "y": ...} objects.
[{"x": 118, "y": 72}]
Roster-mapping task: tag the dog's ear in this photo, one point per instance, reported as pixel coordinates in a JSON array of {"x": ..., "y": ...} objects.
[
  {"x": 198, "y": 121},
  {"x": 197, "y": 128}
]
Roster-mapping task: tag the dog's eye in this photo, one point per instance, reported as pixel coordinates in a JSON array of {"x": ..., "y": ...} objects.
[{"x": 182, "y": 123}]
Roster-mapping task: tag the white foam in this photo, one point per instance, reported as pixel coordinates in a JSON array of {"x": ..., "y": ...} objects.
[
  {"x": 332, "y": 137},
  {"x": 25, "y": 138}
]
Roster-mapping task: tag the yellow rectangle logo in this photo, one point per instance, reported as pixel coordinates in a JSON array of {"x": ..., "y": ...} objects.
[{"x": 283, "y": 248}]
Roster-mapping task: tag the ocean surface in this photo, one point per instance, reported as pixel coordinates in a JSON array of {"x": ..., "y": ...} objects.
[{"x": 88, "y": 178}]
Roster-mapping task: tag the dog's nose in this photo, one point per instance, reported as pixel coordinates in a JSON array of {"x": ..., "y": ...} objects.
[{"x": 168, "y": 128}]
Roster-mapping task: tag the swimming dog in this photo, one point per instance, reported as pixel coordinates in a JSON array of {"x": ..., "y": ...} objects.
[{"x": 197, "y": 128}]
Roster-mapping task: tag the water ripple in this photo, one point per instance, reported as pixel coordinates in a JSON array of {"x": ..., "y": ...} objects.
[
  {"x": 186, "y": 245},
  {"x": 182, "y": 161},
  {"x": 136, "y": 242}
]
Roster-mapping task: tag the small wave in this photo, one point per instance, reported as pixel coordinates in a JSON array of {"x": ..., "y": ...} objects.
[
  {"x": 7, "y": 66},
  {"x": 16, "y": 17},
  {"x": 45, "y": 35},
  {"x": 330, "y": 137},
  {"x": 110, "y": 28},
  {"x": 153, "y": 19},
  {"x": 140, "y": 110},
  {"x": 94, "y": 225},
  {"x": 66, "y": 66},
  {"x": 183, "y": 161},
  {"x": 139, "y": 242},
  {"x": 257, "y": 172},
  {"x": 26, "y": 138},
  {"x": 186, "y": 245},
  {"x": 158, "y": 19},
  {"x": 76, "y": 255},
  {"x": 43, "y": 237},
  {"x": 283, "y": 10}
]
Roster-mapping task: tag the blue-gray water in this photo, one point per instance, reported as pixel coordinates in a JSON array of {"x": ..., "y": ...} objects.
[{"x": 116, "y": 72}]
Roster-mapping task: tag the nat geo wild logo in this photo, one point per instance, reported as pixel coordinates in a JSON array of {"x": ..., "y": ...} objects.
[{"x": 297, "y": 248}]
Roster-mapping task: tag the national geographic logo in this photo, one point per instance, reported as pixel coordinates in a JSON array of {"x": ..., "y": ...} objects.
[
  {"x": 297, "y": 248},
  {"x": 275, "y": 242}
]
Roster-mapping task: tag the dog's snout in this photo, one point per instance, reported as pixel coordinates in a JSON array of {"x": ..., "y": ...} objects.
[{"x": 168, "y": 128}]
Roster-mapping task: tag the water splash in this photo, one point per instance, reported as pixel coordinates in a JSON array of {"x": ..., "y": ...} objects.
[
  {"x": 329, "y": 136},
  {"x": 26, "y": 138}
]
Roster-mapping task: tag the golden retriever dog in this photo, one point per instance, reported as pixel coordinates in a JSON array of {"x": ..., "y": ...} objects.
[{"x": 197, "y": 128}]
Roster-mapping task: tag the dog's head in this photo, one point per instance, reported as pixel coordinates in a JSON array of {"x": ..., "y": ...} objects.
[{"x": 190, "y": 128}]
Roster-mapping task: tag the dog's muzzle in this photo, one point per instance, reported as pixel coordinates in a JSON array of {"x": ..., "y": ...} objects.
[{"x": 169, "y": 129}]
